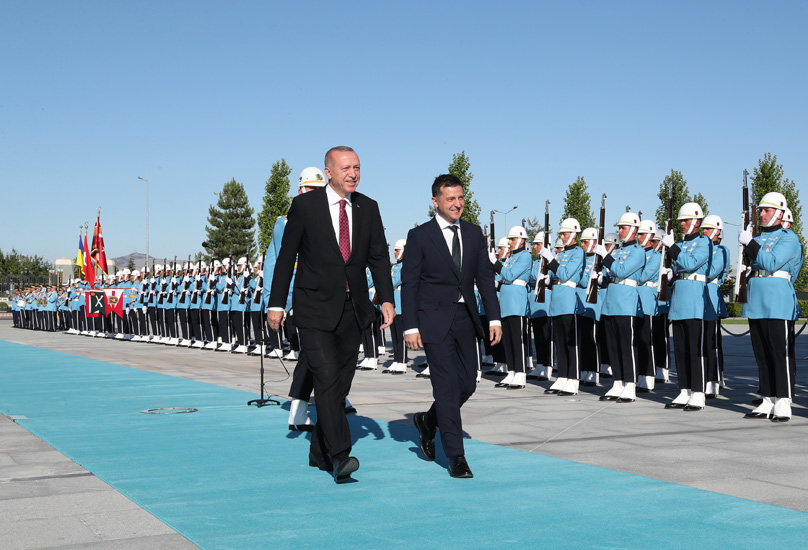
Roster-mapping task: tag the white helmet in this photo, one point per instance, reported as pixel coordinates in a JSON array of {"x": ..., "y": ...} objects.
[
  {"x": 311, "y": 177},
  {"x": 242, "y": 261},
  {"x": 518, "y": 232},
  {"x": 589, "y": 234},
  {"x": 690, "y": 211},
  {"x": 117, "y": 274},
  {"x": 539, "y": 238},
  {"x": 204, "y": 265},
  {"x": 503, "y": 243},
  {"x": 773, "y": 200},
  {"x": 647, "y": 226},
  {"x": 136, "y": 273},
  {"x": 400, "y": 244},
  {"x": 713, "y": 222},
  {"x": 788, "y": 216},
  {"x": 658, "y": 235},
  {"x": 610, "y": 238},
  {"x": 570, "y": 225},
  {"x": 629, "y": 218},
  {"x": 157, "y": 267},
  {"x": 559, "y": 243},
  {"x": 217, "y": 264}
]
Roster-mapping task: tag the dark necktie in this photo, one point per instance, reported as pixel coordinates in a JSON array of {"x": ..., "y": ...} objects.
[
  {"x": 455, "y": 248},
  {"x": 344, "y": 235}
]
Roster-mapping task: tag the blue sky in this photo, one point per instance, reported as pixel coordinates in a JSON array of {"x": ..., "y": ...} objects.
[{"x": 192, "y": 94}]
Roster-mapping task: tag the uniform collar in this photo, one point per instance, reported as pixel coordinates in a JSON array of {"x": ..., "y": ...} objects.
[{"x": 772, "y": 228}]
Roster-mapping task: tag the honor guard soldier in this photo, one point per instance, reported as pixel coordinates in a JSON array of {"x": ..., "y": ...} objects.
[
  {"x": 567, "y": 268},
  {"x": 399, "y": 365},
  {"x": 197, "y": 297},
  {"x": 588, "y": 355},
  {"x": 500, "y": 367},
  {"x": 258, "y": 309},
  {"x": 648, "y": 289},
  {"x": 540, "y": 319},
  {"x": 612, "y": 242},
  {"x": 370, "y": 341},
  {"x": 208, "y": 310},
  {"x": 224, "y": 290},
  {"x": 775, "y": 254},
  {"x": 712, "y": 227},
  {"x": 621, "y": 312},
  {"x": 514, "y": 274},
  {"x": 154, "y": 294},
  {"x": 184, "y": 286},
  {"x": 690, "y": 259},
  {"x": 240, "y": 303}
]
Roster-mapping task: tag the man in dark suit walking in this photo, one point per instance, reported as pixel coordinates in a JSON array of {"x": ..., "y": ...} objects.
[
  {"x": 330, "y": 297},
  {"x": 445, "y": 258}
]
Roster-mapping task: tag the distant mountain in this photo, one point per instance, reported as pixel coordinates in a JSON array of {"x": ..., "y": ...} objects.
[{"x": 123, "y": 261}]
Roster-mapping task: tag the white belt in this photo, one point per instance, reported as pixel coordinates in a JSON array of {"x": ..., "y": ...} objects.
[
  {"x": 693, "y": 277},
  {"x": 652, "y": 284},
  {"x": 779, "y": 274},
  {"x": 397, "y": 288},
  {"x": 518, "y": 282},
  {"x": 569, "y": 284},
  {"x": 714, "y": 281},
  {"x": 627, "y": 282}
]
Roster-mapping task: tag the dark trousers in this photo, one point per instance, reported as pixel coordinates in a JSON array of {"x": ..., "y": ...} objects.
[
  {"x": 258, "y": 325},
  {"x": 453, "y": 374},
  {"x": 224, "y": 326},
  {"x": 620, "y": 331},
  {"x": 290, "y": 327},
  {"x": 543, "y": 340},
  {"x": 206, "y": 316},
  {"x": 369, "y": 342},
  {"x": 237, "y": 324},
  {"x": 397, "y": 332},
  {"x": 331, "y": 356},
  {"x": 773, "y": 345},
  {"x": 588, "y": 356},
  {"x": 515, "y": 340},
  {"x": 169, "y": 316},
  {"x": 151, "y": 316},
  {"x": 688, "y": 350},
  {"x": 565, "y": 337},
  {"x": 302, "y": 380},
  {"x": 195, "y": 323},
  {"x": 659, "y": 341},
  {"x": 710, "y": 351},
  {"x": 134, "y": 324},
  {"x": 183, "y": 315},
  {"x": 645, "y": 356}
]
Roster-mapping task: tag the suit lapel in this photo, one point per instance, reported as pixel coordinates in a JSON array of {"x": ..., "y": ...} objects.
[
  {"x": 357, "y": 222},
  {"x": 467, "y": 264},
  {"x": 323, "y": 212},
  {"x": 436, "y": 234}
]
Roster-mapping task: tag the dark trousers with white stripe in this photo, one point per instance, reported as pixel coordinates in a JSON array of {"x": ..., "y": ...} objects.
[
  {"x": 711, "y": 351},
  {"x": 620, "y": 336},
  {"x": 645, "y": 355},
  {"x": 773, "y": 345},
  {"x": 543, "y": 339},
  {"x": 588, "y": 356},
  {"x": 399, "y": 349},
  {"x": 237, "y": 324},
  {"x": 688, "y": 351},
  {"x": 224, "y": 326},
  {"x": 206, "y": 316},
  {"x": 515, "y": 338},
  {"x": 565, "y": 338},
  {"x": 659, "y": 341}
]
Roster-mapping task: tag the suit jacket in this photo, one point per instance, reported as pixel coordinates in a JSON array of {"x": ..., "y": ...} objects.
[
  {"x": 319, "y": 288},
  {"x": 430, "y": 282}
]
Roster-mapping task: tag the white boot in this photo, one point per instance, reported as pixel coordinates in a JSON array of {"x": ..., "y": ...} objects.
[
  {"x": 275, "y": 353},
  {"x": 696, "y": 401},
  {"x": 645, "y": 383},
  {"x": 663, "y": 375},
  {"x": 782, "y": 409},
  {"x": 381, "y": 350},
  {"x": 291, "y": 356},
  {"x": 371, "y": 364},
  {"x": 711, "y": 389},
  {"x": 764, "y": 410},
  {"x": 680, "y": 401},
  {"x": 518, "y": 381},
  {"x": 629, "y": 393},
  {"x": 505, "y": 381},
  {"x": 401, "y": 368},
  {"x": 614, "y": 392},
  {"x": 241, "y": 349},
  {"x": 299, "y": 420},
  {"x": 497, "y": 369},
  {"x": 556, "y": 386},
  {"x": 606, "y": 371},
  {"x": 362, "y": 363},
  {"x": 479, "y": 375},
  {"x": 570, "y": 387},
  {"x": 424, "y": 373}
]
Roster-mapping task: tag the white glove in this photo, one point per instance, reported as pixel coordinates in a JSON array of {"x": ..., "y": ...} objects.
[
  {"x": 547, "y": 279},
  {"x": 669, "y": 274},
  {"x": 596, "y": 275},
  {"x": 748, "y": 271},
  {"x": 600, "y": 278},
  {"x": 745, "y": 236},
  {"x": 600, "y": 250},
  {"x": 229, "y": 281},
  {"x": 186, "y": 279},
  {"x": 492, "y": 256},
  {"x": 145, "y": 309},
  {"x": 153, "y": 280},
  {"x": 667, "y": 240},
  {"x": 546, "y": 254}
]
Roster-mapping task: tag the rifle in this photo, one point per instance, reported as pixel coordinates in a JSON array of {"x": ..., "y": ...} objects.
[
  {"x": 245, "y": 275},
  {"x": 211, "y": 281},
  {"x": 163, "y": 284},
  {"x": 540, "y": 286},
  {"x": 171, "y": 281},
  {"x": 743, "y": 262},
  {"x": 592, "y": 284},
  {"x": 665, "y": 261},
  {"x": 225, "y": 297},
  {"x": 493, "y": 233},
  {"x": 259, "y": 281}
]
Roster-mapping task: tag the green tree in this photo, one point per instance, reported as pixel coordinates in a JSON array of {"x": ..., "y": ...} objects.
[
  {"x": 131, "y": 264},
  {"x": 578, "y": 204},
  {"x": 680, "y": 197},
  {"x": 15, "y": 263},
  {"x": 230, "y": 230},
  {"x": 276, "y": 201},
  {"x": 459, "y": 167},
  {"x": 768, "y": 177},
  {"x": 699, "y": 199}
]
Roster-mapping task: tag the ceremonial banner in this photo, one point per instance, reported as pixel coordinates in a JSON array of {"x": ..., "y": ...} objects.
[
  {"x": 89, "y": 271},
  {"x": 98, "y": 253},
  {"x": 113, "y": 301},
  {"x": 95, "y": 303},
  {"x": 80, "y": 257}
]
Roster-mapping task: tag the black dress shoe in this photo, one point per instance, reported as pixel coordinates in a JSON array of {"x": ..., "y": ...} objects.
[
  {"x": 458, "y": 467},
  {"x": 710, "y": 395},
  {"x": 757, "y": 415},
  {"x": 781, "y": 418},
  {"x": 421, "y": 375},
  {"x": 350, "y": 410},
  {"x": 501, "y": 385},
  {"x": 426, "y": 435},
  {"x": 320, "y": 462},
  {"x": 643, "y": 390},
  {"x": 588, "y": 384},
  {"x": 344, "y": 467},
  {"x": 692, "y": 408},
  {"x": 757, "y": 401},
  {"x": 608, "y": 398},
  {"x": 675, "y": 406},
  {"x": 660, "y": 381},
  {"x": 605, "y": 375},
  {"x": 515, "y": 387},
  {"x": 567, "y": 393},
  {"x": 551, "y": 391},
  {"x": 625, "y": 400},
  {"x": 301, "y": 427}
]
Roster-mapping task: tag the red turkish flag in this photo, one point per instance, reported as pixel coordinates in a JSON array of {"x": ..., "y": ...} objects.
[
  {"x": 98, "y": 253},
  {"x": 113, "y": 301}
]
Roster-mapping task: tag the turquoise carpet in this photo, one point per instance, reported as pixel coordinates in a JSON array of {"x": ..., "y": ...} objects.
[{"x": 233, "y": 476}]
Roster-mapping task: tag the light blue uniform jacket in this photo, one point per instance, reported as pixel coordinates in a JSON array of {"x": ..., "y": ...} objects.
[
  {"x": 769, "y": 296},
  {"x": 624, "y": 264},
  {"x": 693, "y": 256}
]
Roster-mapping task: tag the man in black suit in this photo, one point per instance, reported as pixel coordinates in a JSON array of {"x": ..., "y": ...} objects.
[
  {"x": 330, "y": 297},
  {"x": 445, "y": 258}
]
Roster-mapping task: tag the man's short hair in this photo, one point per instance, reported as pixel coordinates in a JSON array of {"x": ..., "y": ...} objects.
[
  {"x": 341, "y": 148},
  {"x": 445, "y": 180}
]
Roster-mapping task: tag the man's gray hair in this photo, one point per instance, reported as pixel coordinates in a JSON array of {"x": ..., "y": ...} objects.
[{"x": 341, "y": 148}]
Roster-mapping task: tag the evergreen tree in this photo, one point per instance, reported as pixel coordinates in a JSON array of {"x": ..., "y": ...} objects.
[
  {"x": 276, "y": 202},
  {"x": 578, "y": 204},
  {"x": 459, "y": 167},
  {"x": 230, "y": 230},
  {"x": 768, "y": 177},
  {"x": 680, "y": 197},
  {"x": 15, "y": 263},
  {"x": 699, "y": 199},
  {"x": 131, "y": 264}
]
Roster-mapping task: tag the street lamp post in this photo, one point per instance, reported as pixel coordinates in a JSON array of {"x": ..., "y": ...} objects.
[
  {"x": 505, "y": 214},
  {"x": 147, "y": 219}
]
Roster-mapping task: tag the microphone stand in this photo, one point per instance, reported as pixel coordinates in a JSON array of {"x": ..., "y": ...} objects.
[{"x": 264, "y": 400}]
